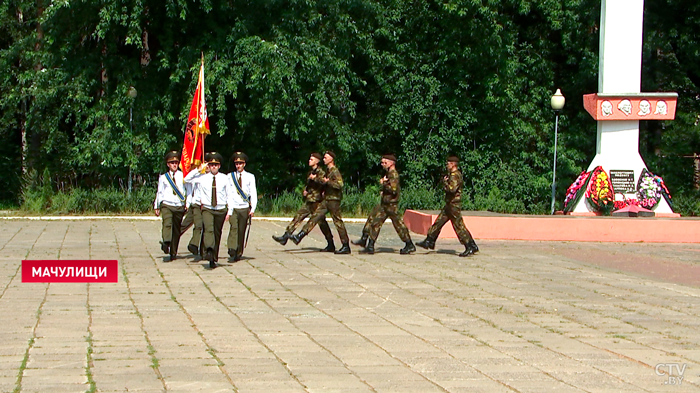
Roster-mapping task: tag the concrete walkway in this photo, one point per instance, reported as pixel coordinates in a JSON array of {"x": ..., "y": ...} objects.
[{"x": 517, "y": 317}]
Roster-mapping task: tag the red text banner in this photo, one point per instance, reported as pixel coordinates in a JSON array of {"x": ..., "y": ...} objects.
[{"x": 90, "y": 271}]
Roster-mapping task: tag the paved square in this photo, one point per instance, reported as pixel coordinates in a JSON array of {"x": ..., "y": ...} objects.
[{"x": 517, "y": 317}]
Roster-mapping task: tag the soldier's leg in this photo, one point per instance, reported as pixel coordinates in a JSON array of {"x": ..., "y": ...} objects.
[
  {"x": 187, "y": 221},
  {"x": 177, "y": 222},
  {"x": 196, "y": 241},
  {"x": 334, "y": 209},
  {"x": 167, "y": 215},
  {"x": 455, "y": 215},
  {"x": 219, "y": 220},
  {"x": 318, "y": 215},
  {"x": 232, "y": 241},
  {"x": 378, "y": 218},
  {"x": 440, "y": 221},
  {"x": 302, "y": 213},
  {"x": 242, "y": 227},
  {"x": 396, "y": 219},
  {"x": 208, "y": 224},
  {"x": 362, "y": 241}
]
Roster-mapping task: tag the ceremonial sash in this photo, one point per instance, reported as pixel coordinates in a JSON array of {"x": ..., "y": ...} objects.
[
  {"x": 243, "y": 195},
  {"x": 177, "y": 191}
]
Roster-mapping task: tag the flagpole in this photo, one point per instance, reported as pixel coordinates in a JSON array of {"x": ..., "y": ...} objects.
[{"x": 202, "y": 95}]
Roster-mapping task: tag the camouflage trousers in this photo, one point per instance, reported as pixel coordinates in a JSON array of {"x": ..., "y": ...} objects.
[
  {"x": 379, "y": 214},
  {"x": 308, "y": 209},
  {"x": 451, "y": 212},
  {"x": 332, "y": 207}
]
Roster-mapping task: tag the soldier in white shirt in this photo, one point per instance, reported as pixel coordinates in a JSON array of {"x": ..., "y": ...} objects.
[
  {"x": 170, "y": 202},
  {"x": 217, "y": 204},
  {"x": 194, "y": 215},
  {"x": 245, "y": 200}
]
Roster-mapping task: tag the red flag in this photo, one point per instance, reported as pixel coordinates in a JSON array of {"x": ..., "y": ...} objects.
[{"x": 197, "y": 128}]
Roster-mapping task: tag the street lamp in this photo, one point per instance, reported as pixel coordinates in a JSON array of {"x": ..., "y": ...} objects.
[
  {"x": 132, "y": 93},
  {"x": 557, "y": 103}
]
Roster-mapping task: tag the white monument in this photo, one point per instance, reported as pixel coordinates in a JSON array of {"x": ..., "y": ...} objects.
[{"x": 619, "y": 104}]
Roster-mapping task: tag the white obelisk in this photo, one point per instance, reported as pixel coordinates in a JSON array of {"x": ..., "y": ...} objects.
[{"x": 620, "y": 70}]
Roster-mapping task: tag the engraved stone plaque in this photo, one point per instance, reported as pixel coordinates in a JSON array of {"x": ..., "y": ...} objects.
[{"x": 623, "y": 181}]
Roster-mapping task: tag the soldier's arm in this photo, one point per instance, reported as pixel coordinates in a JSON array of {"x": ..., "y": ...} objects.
[{"x": 335, "y": 180}]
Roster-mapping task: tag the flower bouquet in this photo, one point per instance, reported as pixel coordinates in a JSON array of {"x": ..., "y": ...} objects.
[
  {"x": 575, "y": 191},
  {"x": 648, "y": 190},
  {"x": 599, "y": 192}
]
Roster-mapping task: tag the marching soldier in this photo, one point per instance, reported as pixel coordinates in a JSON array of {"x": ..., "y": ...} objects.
[
  {"x": 388, "y": 207},
  {"x": 194, "y": 215},
  {"x": 333, "y": 194},
  {"x": 170, "y": 201},
  {"x": 245, "y": 199},
  {"x": 452, "y": 183},
  {"x": 216, "y": 198},
  {"x": 313, "y": 195}
]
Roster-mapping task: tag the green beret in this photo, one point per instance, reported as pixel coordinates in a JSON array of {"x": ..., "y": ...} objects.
[
  {"x": 452, "y": 159},
  {"x": 389, "y": 157},
  {"x": 330, "y": 153},
  {"x": 317, "y": 156}
]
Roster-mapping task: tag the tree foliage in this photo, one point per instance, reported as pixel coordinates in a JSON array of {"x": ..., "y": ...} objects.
[{"x": 361, "y": 77}]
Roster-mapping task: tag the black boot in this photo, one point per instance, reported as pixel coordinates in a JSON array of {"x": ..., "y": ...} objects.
[
  {"x": 467, "y": 251},
  {"x": 209, "y": 256},
  {"x": 193, "y": 249},
  {"x": 344, "y": 250},
  {"x": 369, "y": 248},
  {"x": 473, "y": 246},
  {"x": 330, "y": 247},
  {"x": 362, "y": 241},
  {"x": 165, "y": 246},
  {"x": 297, "y": 238},
  {"x": 428, "y": 243},
  {"x": 282, "y": 239},
  {"x": 408, "y": 249},
  {"x": 232, "y": 252}
]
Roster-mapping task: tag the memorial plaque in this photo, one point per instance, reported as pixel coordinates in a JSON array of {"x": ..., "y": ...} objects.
[{"x": 623, "y": 181}]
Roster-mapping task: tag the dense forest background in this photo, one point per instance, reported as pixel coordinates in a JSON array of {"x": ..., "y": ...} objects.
[{"x": 422, "y": 79}]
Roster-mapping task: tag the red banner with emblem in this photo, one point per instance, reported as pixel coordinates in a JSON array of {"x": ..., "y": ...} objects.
[{"x": 197, "y": 128}]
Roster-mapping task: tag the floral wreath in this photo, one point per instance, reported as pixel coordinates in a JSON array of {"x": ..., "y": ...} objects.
[
  {"x": 599, "y": 192},
  {"x": 575, "y": 191}
]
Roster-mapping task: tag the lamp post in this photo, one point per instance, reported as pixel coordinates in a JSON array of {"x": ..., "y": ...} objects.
[
  {"x": 557, "y": 103},
  {"x": 132, "y": 93}
]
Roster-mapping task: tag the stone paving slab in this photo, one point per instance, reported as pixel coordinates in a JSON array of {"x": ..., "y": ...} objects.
[{"x": 517, "y": 317}]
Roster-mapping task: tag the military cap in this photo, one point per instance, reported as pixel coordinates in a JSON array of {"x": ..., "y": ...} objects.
[
  {"x": 172, "y": 156},
  {"x": 240, "y": 157},
  {"x": 207, "y": 156},
  {"x": 215, "y": 158},
  {"x": 317, "y": 156},
  {"x": 389, "y": 157},
  {"x": 452, "y": 159},
  {"x": 330, "y": 153}
]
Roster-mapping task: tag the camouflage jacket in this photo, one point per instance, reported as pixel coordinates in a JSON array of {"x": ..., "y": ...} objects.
[
  {"x": 391, "y": 189},
  {"x": 334, "y": 185},
  {"x": 314, "y": 187},
  {"x": 453, "y": 186}
]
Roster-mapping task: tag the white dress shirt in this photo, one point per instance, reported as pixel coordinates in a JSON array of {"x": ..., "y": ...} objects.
[
  {"x": 248, "y": 186},
  {"x": 166, "y": 194},
  {"x": 224, "y": 189}
]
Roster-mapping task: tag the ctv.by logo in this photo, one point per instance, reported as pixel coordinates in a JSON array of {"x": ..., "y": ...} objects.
[{"x": 674, "y": 378}]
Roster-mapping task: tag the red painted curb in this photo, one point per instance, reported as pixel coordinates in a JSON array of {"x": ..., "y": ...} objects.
[{"x": 564, "y": 228}]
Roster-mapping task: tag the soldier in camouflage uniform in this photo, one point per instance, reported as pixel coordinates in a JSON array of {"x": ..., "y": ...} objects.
[
  {"x": 452, "y": 183},
  {"x": 388, "y": 207},
  {"x": 313, "y": 195},
  {"x": 332, "y": 195}
]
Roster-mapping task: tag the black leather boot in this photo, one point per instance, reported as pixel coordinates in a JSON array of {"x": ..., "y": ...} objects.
[
  {"x": 330, "y": 247},
  {"x": 362, "y": 241},
  {"x": 369, "y": 248},
  {"x": 428, "y": 243},
  {"x": 473, "y": 246},
  {"x": 232, "y": 252},
  {"x": 344, "y": 250},
  {"x": 467, "y": 251},
  {"x": 209, "y": 256},
  {"x": 408, "y": 249},
  {"x": 165, "y": 246},
  {"x": 282, "y": 239},
  {"x": 193, "y": 249},
  {"x": 297, "y": 238}
]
